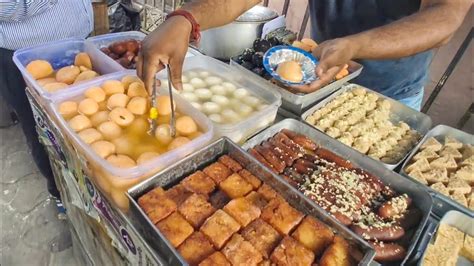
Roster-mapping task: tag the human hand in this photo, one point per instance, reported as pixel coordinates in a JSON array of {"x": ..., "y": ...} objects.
[
  {"x": 333, "y": 55},
  {"x": 168, "y": 44}
]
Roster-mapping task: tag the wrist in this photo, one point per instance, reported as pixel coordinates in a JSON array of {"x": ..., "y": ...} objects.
[
  {"x": 181, "y": 23},
  {"x": 356, "y": 43},
  {"x": 193, "y": 27}
]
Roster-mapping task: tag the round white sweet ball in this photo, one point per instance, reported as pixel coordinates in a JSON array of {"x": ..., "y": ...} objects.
[
  {"x": 229, "y": 87},
  {"x": 220, "y": 100},
  {"x": 218, "y": 89},
  {"x": 216, "y": 118},
  {"x": 210, "y": 108},
  {"x": 197, "y": 83},
  {"x": 203, "y": 94},
  {"x": 252, "y": 101},
  {"x": 188, "y": 87},
  {"x": 240, "y": 93},
  {"x": 213, "y": 80}
]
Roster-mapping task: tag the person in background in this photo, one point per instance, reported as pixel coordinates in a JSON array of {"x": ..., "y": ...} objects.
[
  {"x": 25, "y": 23},
  {"x": 392, "y": 39}
]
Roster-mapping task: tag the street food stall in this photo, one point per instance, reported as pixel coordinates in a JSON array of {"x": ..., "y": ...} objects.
[{"x": 240, "y": 169}]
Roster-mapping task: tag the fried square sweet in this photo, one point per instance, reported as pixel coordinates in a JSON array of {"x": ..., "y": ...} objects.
[
  {"x": 436, "y": 175},
  {"x": 198, "y": 182},
  {"x": 281, "y": 216},
  {"x": 427, "y": 154},
  {"x": 269, "y": 193},
  {"x": 216, "y": 259},
  {"x": 337, "y": 253},
  {"x": 451, "y": 151},
  {"x": 178, "y": 194},
  {"x": 447, "y": 162},
  {"x": 148, "y": 201},
  {"x": 219, "y": 199},
  {"x": 432, "y": 144},
  {"x": 219, "y": 228},
  {"x": 452, "y": 142},
  {"x": 314, "y": 235},
  {"x": 235, "y": 186},
  {"x": 230, "y": 163},
  {"x": 251, "y": 179},
  {"x": 242, "y": 210},
  {"x": 257, "y": 199},
  {"x": 451, "y": 233},
  {"x": 240, "y": 252},
  {"x": 217, "y": 171},
  {"x": 441, "y": 188},
  {"x": 421, "y": 165},
  {"x": 195, "y": 248},
  {"x": 458, "y": 185},
  {"x": 196, "y": 209},
  {"x": 290, "y": 252},
  {"x": 262, "y": 236},
  {"x": 175, "y": 228}
]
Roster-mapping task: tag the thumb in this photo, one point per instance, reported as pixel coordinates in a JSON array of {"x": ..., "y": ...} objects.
[{"x": 176, "y": 67}]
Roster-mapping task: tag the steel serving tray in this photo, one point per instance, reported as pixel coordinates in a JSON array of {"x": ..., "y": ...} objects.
[
  {"x": 297, "y": 103},
  {"x": 421, "y": 197},
  {"x": 463, "y": 222},
  {"x": 441, "y": 203},
  {"x": 399, "y": 112},
  {"x": 200, "y": 159}
]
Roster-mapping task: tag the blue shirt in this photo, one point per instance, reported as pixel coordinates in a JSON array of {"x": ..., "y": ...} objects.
[
  {"x": 398, "y": 79},
  {"x": 25, "y": 23}
]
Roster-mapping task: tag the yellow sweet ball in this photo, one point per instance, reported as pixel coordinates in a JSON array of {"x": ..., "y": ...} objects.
[
  {"x": 113, "y": 86},
  {"x": 39, "y": 69}
]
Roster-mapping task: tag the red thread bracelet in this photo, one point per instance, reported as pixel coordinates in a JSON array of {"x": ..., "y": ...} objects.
[{"x": 196, "y": 28}]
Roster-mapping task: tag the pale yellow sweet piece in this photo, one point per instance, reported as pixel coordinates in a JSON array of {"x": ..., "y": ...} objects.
[
  {"x": 178, "y": 142},
  {"x": 469, "y": 161},
  {"x": 467, "y": 151},
  {"x": 450, "y": 151},
  {"x": 110, "y": 130},
  {"x": 147, "y": 156},
  {"x": 467, "y": 249},
  {"x": 124, "y": 145},
  {"x": 452, "y": 142},
  {"x": 117, "y": 100},
  {"x": 445, "y": 231},
  {"x": 121, "y": 161},
  {"x": 138, "y": 105},
  {"x": 163, "y": 104},
  {"x": 426, "y": 153},
  {"x": 432, "y": 144},
  {"x": 68, "y": 109},
  {"x": 121, "y": 116},
  {"x": 95, "y": 93},
  {"x": 113, "y": 86},
  {"x": 466, "y": 173},
  {"x": 418, "y": 175},
  {"x": 137, "y": 89},
  {"x": 186, "y": 126},
  {"x": 459, "y": 197},
  {"x": 127, "y": 80},
  {"x": 99, "y": 118},
  {"x": 90, "y": 135},
  {"x": 436, "y": 175},
  {"x": 422, "y": 165},
  {"x": 441, "y": 188},
  {"x": 83, "y": 59},
  {"x": 88, "y": 107},
  {"x": 80, "y": 122},
  {"x": 68, "y": 74},
  {"x": 39, "y": 69},
  {"x": 103, "y": 148},
  {"x": 459, "y": 185},
  {"x": 85, "y": 75},
  {"x": 447, "y": 162}
]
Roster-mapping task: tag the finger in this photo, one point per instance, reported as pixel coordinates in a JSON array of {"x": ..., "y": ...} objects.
[
  {"x": 149, "y": 69},
  {"x": 176, "y": 65},
  {"x": 329, "y": 75},
  {"x": 139, "y": 65}
]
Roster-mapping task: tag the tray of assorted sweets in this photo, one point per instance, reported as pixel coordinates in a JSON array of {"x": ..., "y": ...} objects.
[
  {"x": 219, "y": 206},
  {"x": 383, "y": 208},
  {"x": 444, "y": 161},
  {"x": 377, "y": 126},
  {"x": 452, "y": 242}
]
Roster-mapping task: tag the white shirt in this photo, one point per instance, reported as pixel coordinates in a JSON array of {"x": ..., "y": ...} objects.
[{"x": 25, "y": 23}]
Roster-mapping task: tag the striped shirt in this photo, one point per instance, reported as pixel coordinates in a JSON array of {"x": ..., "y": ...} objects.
[{"x": 25, "y": 23}]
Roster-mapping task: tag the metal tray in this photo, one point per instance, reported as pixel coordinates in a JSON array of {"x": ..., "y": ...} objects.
[
  {"x": 421, "y": 197},
  {"x": 399, "y": 112},
  {"x": 206, "y": 156},
  {"x": 298, "y": 103},
  {"x": 461, "y": 221},
  {"x": 441, "y": 203}
]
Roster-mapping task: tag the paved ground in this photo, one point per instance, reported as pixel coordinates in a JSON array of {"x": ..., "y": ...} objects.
[{"x": 30, "y": 232}]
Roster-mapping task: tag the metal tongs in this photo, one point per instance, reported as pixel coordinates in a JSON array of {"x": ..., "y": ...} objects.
[{"x": 154, "y": 111}]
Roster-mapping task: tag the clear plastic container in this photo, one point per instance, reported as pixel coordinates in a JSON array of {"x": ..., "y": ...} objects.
[
  {"x": 105, "y": 40},
  {"x": 114, "y": 181},
  {"x": 241, "y": 131},
  {"x": 60, "y": 54}
]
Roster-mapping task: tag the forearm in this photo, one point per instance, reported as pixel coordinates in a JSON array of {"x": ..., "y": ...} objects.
[
  {"x": 432, "y": 26},
  {"x": 215, "y": 13}
]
